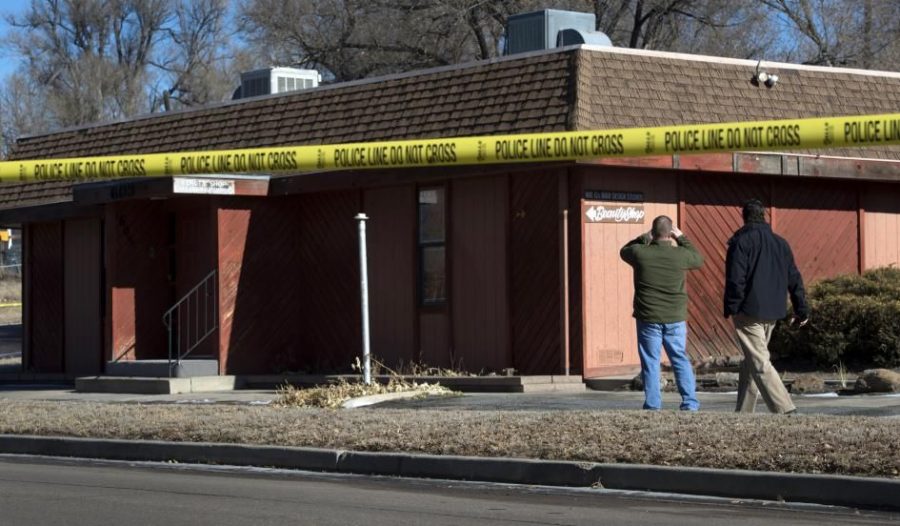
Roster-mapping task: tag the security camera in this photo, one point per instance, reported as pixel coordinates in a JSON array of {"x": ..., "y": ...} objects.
[{"x": 770, "y": 80}]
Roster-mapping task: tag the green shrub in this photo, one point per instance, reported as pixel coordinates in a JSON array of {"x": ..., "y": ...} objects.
[{"x": 853, "y": 319}]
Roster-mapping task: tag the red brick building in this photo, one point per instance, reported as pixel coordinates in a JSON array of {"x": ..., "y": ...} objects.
[{"x": 482, "y": 268}]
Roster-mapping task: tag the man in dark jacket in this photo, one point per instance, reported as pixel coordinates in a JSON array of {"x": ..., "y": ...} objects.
[
  {"x": 660, "y": 259},
  {"x": 759, "y": 274}
]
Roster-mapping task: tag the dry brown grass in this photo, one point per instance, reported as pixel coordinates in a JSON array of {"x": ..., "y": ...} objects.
[
  {"x": 10, "y": 315},
  {"x": 10, "y": 290},
  {"x": 809, "y": 444},
  {"x": 333, "y": 396}
]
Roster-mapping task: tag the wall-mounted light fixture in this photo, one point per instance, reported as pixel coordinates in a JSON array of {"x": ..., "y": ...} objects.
[{"x": 762, "y": 77}]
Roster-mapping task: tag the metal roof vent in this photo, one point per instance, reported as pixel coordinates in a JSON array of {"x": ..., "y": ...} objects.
[
  {"x": 269, "y": 81},
  {"x": 551, "y": 28}
]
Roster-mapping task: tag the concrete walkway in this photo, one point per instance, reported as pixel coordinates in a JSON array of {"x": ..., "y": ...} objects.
[{"x": 863, "y": 405}]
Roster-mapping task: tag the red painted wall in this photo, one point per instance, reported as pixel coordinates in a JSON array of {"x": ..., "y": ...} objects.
[
  {"x": 609, "y": 332},
  {"x": 881, "y": 225},
  {"x": 712, "y": 213}
]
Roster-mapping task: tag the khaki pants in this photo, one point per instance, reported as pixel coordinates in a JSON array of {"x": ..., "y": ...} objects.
[{"x": 758, "y": 377}]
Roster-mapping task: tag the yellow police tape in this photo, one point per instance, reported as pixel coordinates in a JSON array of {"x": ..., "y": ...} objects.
[
  {"x": 789, "y": 134},
  {"x": 10, "y": 305}
]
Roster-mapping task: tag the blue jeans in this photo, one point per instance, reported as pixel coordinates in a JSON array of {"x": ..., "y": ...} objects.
[{"x": 672, "y": 337}]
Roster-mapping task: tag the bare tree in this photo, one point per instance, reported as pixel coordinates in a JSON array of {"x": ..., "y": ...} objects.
[
  {"x": 21, "y": 108},
  {"x": 839, "y": 33},
  {"x": 89, "y": 56},
  {"x": 197, "y": 56},
  {"x": 85, "y": 61},
  {"x": 359, "y": 38}
]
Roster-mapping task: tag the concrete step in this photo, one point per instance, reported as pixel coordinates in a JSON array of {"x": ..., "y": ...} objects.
[
  {"x": 138, "y": 385},
  {"x": 160, "y": 368},
  {"x": 471, "y": 384},
  {"x": 565, "y": 387}
]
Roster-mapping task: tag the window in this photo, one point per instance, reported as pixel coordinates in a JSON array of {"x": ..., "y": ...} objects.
[{"x": 432, "y": 241}]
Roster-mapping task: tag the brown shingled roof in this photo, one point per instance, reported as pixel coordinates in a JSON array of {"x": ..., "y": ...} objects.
[
  {"x": 618, "y": 88},
  {"x": 479, "y": 99},
  {"x": 524, "y": 95},
  {"x": 18, "y": 195},
  {"x": 574, "y": 89}
]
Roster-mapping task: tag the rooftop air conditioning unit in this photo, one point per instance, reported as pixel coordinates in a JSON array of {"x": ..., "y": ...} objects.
[
  {"x": 269, "y": 81},
  {"x": 551, "y": 28}
]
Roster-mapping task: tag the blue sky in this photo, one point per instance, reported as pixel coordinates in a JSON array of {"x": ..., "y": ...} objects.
[{"x": 8, "y": 62}]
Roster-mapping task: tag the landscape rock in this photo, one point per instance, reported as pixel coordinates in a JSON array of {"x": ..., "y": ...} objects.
[
  {"x": 637, "y": 383},
  {"x": 727, "y": 379},
  {"x": 705, "y": 365},
  {"x": 878, "y": 381},
  {"x": 808, "y": 384}
]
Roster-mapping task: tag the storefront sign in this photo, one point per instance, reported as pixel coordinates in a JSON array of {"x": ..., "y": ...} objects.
[
  {"x": 611, "y": 212},
  {"x": 185, "y": 185},
  {"x": 607, "y": 195}
]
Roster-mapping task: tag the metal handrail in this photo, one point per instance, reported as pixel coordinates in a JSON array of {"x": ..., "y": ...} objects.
[{"x": 191, "y": 320}]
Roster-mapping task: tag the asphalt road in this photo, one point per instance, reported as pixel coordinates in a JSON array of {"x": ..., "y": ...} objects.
[
  {"x": 10, "y": 339},
  {"x": 58, "y": 492}
]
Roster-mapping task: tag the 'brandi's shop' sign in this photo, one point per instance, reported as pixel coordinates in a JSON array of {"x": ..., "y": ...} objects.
[{"x": 607, "y": 212}]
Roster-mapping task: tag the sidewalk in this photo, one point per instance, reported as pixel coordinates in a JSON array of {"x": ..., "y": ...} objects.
[{"x": 858, "y": 405}]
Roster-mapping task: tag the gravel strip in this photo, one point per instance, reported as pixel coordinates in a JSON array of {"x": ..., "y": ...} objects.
[{"x": 861, "y": 446}]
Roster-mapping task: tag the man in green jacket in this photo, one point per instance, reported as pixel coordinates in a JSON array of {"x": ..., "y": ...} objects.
[{"x": 660, "y": 258}]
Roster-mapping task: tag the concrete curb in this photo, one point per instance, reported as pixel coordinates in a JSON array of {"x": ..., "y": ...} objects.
[
  {"x": 363, "y": 401},
  {"x": 858, "y": 492}
]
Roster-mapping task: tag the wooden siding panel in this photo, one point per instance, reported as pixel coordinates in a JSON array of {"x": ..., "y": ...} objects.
[
  {"x": 194, "y": 252},
  {"x": 434, "y": 338},
  {"x": 45, "y": 304},
  {"x": 233, "y": 223},
  {"x": 329, "y": 266},
  {"x": 290, "y": 283},
  {"x": 534, "y": 272},
  {"x": 138, "y": 277},
  {"x": 259, "y": 292},
  {"x": 712, "y": 215},
  {"x": 478, "y": 282},
  {"x": 820, "y": 222},
  {"x": 610, "y": 336},
  {"x": 882, "y": 225},
  {"x": 83, "y": 324},
  {"x": 392, "y": 272}
]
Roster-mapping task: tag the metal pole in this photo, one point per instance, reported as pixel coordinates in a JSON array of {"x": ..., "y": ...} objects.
[{"x": 364, "y": 294}]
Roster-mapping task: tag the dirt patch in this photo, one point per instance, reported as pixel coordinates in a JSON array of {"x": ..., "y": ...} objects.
[
  {"x": 10, "y": 290},
  {"x": 333, "y": 396},
  {"x": 808, "y": 444}
]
